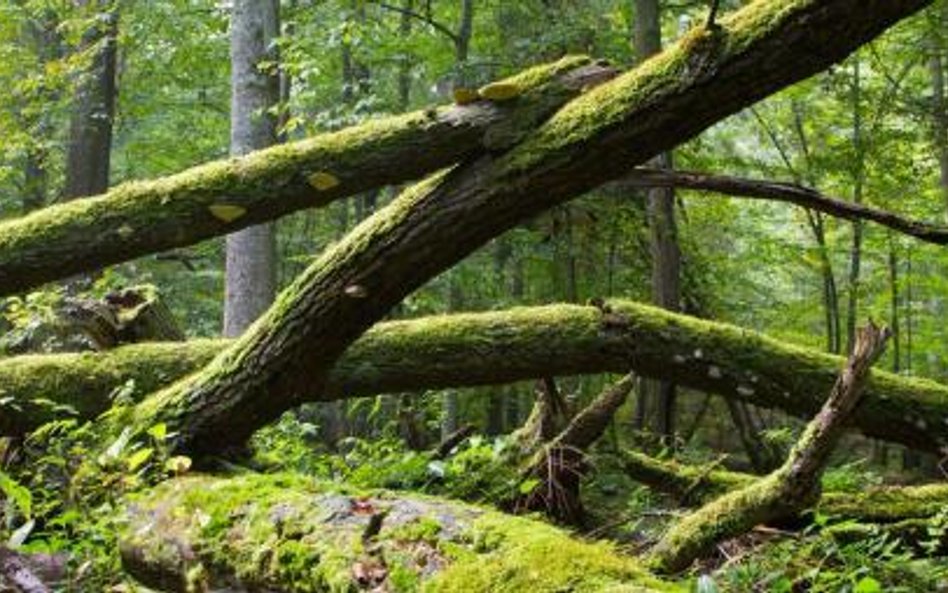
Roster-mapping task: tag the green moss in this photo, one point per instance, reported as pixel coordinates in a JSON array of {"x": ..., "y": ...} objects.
[
  {"x": 612, "y": 103},
  {"x": 297, "y": 534},
  {"x": 513, "y": 554}
]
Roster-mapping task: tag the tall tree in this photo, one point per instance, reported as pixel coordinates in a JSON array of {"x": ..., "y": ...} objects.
[
  {"x": 255, "y": 91},
  {"x": 666, "y": 253}
]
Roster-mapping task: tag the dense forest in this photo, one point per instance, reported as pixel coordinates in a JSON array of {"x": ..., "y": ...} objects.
[{"x": 473, "y": 295}]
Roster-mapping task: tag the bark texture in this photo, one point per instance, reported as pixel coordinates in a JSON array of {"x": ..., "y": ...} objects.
[
  {"x": 90, "y": 133},
  {"x": 663, "y": 231},
  {"x": 214, "y": 199}
]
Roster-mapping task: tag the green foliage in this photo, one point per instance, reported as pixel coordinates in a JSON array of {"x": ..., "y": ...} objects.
[
  {"x": 818, "y": 562},
  {"x": 64, "y": 495}
]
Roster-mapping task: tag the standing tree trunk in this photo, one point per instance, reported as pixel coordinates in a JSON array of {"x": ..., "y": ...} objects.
[
  {"x": 255, "y": 92},
  {"x": 93, "y": 112},
  {"x": 40, "y": 32},
  {"x": 859, "y": 178},
  {"x": 666, "y": 253}
]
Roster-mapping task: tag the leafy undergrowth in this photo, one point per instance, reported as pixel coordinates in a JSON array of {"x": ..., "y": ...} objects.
[{"x": 66, "y": 500}]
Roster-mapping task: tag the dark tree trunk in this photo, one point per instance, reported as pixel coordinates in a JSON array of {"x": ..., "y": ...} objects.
[
  {"x": 663, "y": 229},
  {"x": 93, "y": 112}
]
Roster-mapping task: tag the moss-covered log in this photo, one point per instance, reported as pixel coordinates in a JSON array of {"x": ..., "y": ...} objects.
[
  {"x": 294, "y": 534},
  {"x": 692, "y": 485},
  {"x": 789, "y": 490},
  {"x": 501, "y": 347},
  {"x": 145, "y": 217},
  {"x": 707, "y": 76}
]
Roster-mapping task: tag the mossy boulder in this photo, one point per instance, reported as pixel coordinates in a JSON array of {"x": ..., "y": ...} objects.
[{"x": 287, "y": 532}]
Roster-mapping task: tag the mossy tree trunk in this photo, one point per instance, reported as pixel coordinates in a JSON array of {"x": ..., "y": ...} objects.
[
  {"x": 139, "y": 218},
  {"x": 502, "y": 347},
  {"x": 692, "y": 485},
  {"x": 708, "y": 75}
]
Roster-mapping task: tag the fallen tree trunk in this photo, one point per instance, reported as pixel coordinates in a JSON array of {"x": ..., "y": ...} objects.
[
  {"x": 290, "y": 533},
  {"x": 217, "y": 198},
  {"x": 473, "y": 349},
  {"x": 692, "y": 485},
  {"x": 790, "y": 193},
  {"x": 708, "y": 75},
  {"x": 789, "y": 490}
]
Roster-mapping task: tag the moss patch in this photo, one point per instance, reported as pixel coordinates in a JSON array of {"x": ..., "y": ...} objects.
[{"x": 294, "y": 533}]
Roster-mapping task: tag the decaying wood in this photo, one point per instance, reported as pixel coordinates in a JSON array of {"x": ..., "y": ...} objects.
[
  {"x": 558, "y": 466},
  {"x": 127, "y": 316},
  {"x": 16, "y": 573},
  {"x": 789, "y": 490},
  {"x": 454, "y": 439}
]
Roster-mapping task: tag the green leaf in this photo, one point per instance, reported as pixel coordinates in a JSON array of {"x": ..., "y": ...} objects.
[
  {"x": 868, "y": 585},
  {"x": 19, "y": 494},
  {"x": 528, "y": 486},
  {"x": 138, "y": 458},
  {"x": 159, "y": 431},
  {"x": 178, "y": 464}
]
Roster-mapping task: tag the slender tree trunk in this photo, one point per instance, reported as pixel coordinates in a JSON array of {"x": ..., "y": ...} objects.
[
  {"x": 41, "y": 33},
  {"x": 817, "y": 225},
  {"x": 666, "y": 253},
  {"x": 855, "y": 258},
  {"x": 93, "y": 112},
  {"x": 255, "y": 93},
  {"x": 407, "y": 60}
]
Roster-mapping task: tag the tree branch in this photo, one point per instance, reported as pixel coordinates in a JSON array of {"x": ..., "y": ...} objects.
[
  {"x": 443, "y": 29},
  {"x": 791, "y": 193}
]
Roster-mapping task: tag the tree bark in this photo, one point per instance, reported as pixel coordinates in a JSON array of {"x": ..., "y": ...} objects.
[
  {"x": 709, "y": 75},
  {"x": 250, "y": 283},
  {"x": 139, "y": 218}
]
